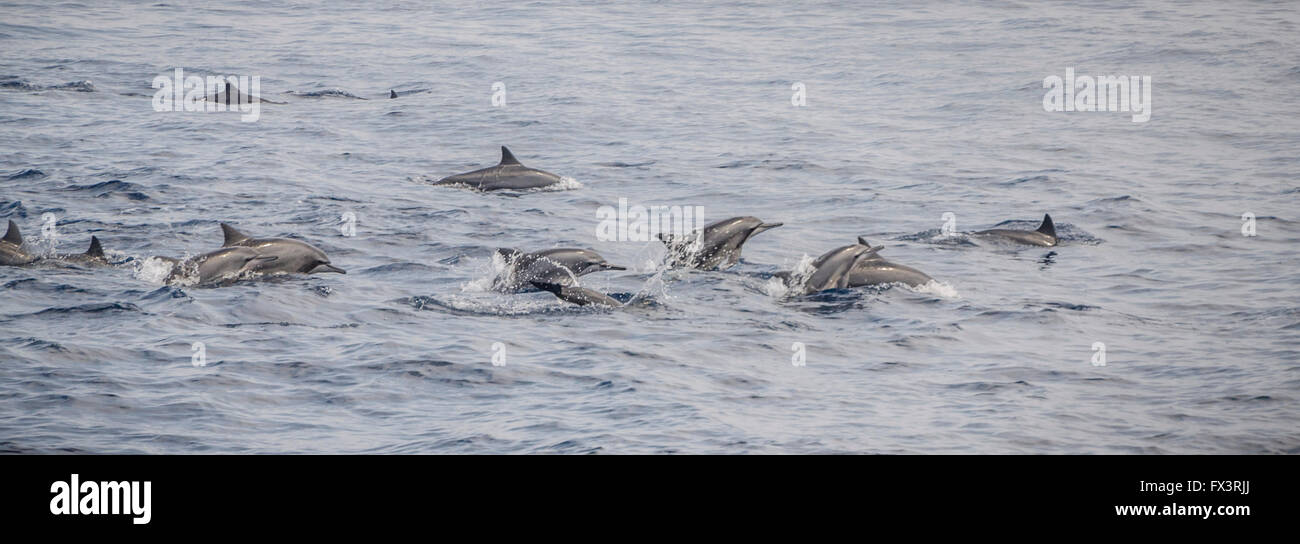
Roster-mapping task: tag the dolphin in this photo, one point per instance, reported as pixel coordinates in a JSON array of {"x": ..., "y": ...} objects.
[
  {"x": 293, "y": 256},
  {"x": 508, "y": 174},
  {"x": 223, "y": 265},
  {"x": 875, "y": 270},
  {"x": 11, "y": 248},
  {"x": 559, "y": 266},
  {"x": 232, "y": 96},
  {"x": 834, "y": 269},
  {"x": 578, "y": 295},
  {"x": 1044, "y": 236},
  {"x": 93, "y": 256},
  {"x": 717, "y": 246}
]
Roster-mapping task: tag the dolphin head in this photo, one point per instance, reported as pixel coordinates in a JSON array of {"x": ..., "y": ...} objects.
[
  {"x": 316, "y": 262},
  {"x": 590, "y": 261}
]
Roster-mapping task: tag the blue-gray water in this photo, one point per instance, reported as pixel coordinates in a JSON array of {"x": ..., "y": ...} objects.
[{"x": 912, "y": 111}]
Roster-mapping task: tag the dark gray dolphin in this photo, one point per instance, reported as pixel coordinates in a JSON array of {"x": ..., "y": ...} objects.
[
  {"x": 11, "y": 248},
  {"x": 1044, "y": 236},
  {"x": 717, "y": 245},
  {"x": 92, "y": 256},
  {"x": 578, "y": 295},
  {"x": 875, "y": 270},
  {"x": 832, "y": 270},
  {"x": 508, "y": 174},
  {"x": 559, "y": 266},
  {"x": 223, "y": 265},
  {"x": 293, "y": 256},
  {"x": 232, "y": 96}
]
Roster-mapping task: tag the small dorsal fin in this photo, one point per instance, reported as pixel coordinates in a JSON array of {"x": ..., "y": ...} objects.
[
  {"x": 863, "y": 241},
  {"x": 13, "y": 236},
  {"x": 1047, "y": 227},
  {"x": 95, "y": 250},
  {"x": 392, "y": 93},
  {"x": 232, "y": 236},
  {"x": 508, "y": 158}
]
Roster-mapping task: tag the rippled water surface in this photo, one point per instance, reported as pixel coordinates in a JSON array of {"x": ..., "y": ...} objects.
[{"x": 912, "y": 111}]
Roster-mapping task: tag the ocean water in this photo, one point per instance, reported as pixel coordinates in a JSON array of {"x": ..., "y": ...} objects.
[{"x": 911, "y": 112}]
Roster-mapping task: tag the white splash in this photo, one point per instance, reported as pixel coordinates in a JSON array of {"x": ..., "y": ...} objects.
[
  {"x": 938, "y": 289},
  {"x": 153, "y": 270}
]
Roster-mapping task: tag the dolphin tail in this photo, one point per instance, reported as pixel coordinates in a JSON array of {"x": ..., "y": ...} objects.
[
  {"x": 232, "y": 236},
  {"x": 1047, "y": 227},
  {"x": 95, "y": 250},
  {"x": 12, "y": 235},
  {"x": 508, "y": 158}
]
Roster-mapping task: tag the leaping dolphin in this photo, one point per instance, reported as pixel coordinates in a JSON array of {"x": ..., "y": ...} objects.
[
  {"x": 508, "y": 174},
  {"x": 578, "y": 295},
  {"x": 223, "y": 265},
  {"x": 11, "y": 248},
  {"x": 559, "y": 266},
  {"x": 716, "y": 246},
  {"x": 292, "y": 256},
  {"x": 834, "y": 269},
  {"x": 1044, "y": 236}
]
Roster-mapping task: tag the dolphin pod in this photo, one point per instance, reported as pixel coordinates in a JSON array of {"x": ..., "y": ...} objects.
[
  {"x": 716, "y": 246},
  {"x": 13, "y": 254}
]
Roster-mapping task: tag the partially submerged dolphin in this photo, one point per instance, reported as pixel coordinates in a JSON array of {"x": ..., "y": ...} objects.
[
  {"x": 508, "y": 174},
  {"x": 223, "y": 265},
  {"x": 834, "y": 269},
  {"x": 717, "y": 245},
  {"x": 1044, "y": 236},
  {"x": 559, "y": 266},
  {"x": 232, "y": 96},
  {"x": 578, "y": 295},
  {"x": 93, "y": 256},
  {"x": 875, "y": 270},
  {"x": 292, "y": 256},
  {"x": 11, "y": 248},
  {"x": 13, "y": 254}
]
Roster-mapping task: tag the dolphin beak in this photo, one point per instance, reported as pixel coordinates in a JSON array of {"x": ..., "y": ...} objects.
[
  {"x": 327, "y": 267},
  {"x": 608, "y": 266},
  {"x": 766, "y": 226}
]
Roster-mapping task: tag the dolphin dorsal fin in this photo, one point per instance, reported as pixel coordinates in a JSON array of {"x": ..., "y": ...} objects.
[
  {"x": 392, "y": 93},
  {"x": 13, "y": 236},
  {"x": 95, "y": 250},
  {"x": 508, "y": 158},
  {"x": 1047, "y": 227},
  {"x": 863, "y": 241},
  {"x": 232, "y": 236}
]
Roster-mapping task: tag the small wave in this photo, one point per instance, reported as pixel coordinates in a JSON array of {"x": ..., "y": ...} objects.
[
  {"x": 83, "y": 86},
  {"x": 327, "y": 93},
  {"x": 29, "y": 173},
  {"x": 108, "y": 188},
  {"x": 92, "y": 308}
]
